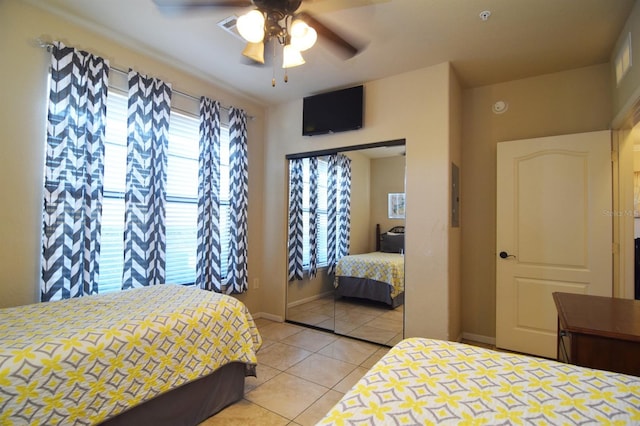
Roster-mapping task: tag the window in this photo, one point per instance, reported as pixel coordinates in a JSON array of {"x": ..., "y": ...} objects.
[
  {"x": 115, "y": 172},
  {"x": 182, "y": 199},
  {"x": 322, "y": 211},
  {"x": 182, "y": 196}
]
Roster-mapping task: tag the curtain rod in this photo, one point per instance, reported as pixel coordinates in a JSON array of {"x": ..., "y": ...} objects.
[{"x": 48, "y": 45}]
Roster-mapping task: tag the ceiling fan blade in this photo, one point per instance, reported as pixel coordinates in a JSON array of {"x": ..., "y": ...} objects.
[
  {"x": 183, "y": 5},
  {"x": 345, "y": 47},
  {"x": 322, "y": 6}
]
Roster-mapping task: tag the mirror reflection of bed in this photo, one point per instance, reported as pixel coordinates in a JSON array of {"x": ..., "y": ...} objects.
[
  {"x": 377, "y": 170},
  {"x": 369, "y": 290}
]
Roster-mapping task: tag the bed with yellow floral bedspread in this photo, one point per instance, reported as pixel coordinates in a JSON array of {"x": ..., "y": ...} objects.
[
  {"x": 84, "y": 360},
  {"x": 428, "y": 382},
  {"x": 376, "y": 276}
]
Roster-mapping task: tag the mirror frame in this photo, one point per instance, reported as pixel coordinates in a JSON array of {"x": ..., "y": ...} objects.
[
  {"x": 326, "y": 152},
  {"x": 330, "y": 151}
]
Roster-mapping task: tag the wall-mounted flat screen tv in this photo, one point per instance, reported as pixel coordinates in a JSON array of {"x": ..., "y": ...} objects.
[{"x": 332, "y": 112}]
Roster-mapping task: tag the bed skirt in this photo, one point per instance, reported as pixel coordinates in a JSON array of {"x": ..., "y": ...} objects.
[
  {"x": 366, "y": 288},
  {"x": 189, "y": 404}
]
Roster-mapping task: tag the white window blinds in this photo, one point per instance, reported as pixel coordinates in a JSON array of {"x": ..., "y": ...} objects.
[
  {"x": 322, "y": 211},
  {"x": 181, "y": 191}
]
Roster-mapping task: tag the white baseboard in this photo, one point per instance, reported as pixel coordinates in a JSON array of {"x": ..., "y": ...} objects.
[
  {"x": 479, "y": 338},
  {"x": 465, "y": 336},
  {"x": 309, "y": 299},
  {"x": 268, "y": 316}
]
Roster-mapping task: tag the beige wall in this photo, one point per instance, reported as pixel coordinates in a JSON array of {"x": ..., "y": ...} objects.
[
  {"x": 308, "y": 289},
  {"x": 387, "y": 176},
  {"x": 455, "y": 234},
  {"x": 23, "y": 77},
  {"x": 360, "y": 202},
  {"x": 413, "y": 106},
  {"x": 554, "y": 104}
]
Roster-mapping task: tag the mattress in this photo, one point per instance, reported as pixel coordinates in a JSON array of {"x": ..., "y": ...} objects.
[
  {"x": 424, "y": 381},
  {"x": 81, "y": 361},
  {"x": 378, "y": 266}
]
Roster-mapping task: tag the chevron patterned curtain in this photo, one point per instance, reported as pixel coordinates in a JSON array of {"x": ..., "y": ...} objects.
[
  {"x": 313, "y": 216},
  {"x": 208, "y": 274},
  {"x": 295, "y": 238},
  {"x": 147, "y": 129},
  {"x": 332, "y": 212},
  {"x": 74, "y": 172},
  {"x": 236, "y": 279},
  {"x": 338, "y": 209},
  {"x": 344, "y": 212}
]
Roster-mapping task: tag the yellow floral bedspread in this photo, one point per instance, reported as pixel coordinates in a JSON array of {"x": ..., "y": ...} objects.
[
  {"x": 379, "y": 266},
  {"x": 84, "y": 360},
  {"x": 429, "y": 382}
]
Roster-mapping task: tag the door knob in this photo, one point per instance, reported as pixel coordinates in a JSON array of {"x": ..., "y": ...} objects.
[{"x": 504, "y": 255}]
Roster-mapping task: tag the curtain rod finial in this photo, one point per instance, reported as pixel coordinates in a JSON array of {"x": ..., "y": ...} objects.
[{"x": 39, "y": 42}]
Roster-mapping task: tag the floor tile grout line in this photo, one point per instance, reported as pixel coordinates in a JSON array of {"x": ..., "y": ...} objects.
[
  {"x": 329, "y": 344},
  {"x": 373, "y": 353},
  {"x": 265, "y": 408},
  {"x": 280, "y": 415},
  {"x": 310, "y": 405},
  {"x": 317, "y": 353},
  {"x": 320, "y": 384},
  {"x": 367, "y": 358},
  {"x": 306, "y": 408}
]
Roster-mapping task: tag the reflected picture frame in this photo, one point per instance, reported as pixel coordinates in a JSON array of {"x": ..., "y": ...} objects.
[{"x": 396, "y": 205}]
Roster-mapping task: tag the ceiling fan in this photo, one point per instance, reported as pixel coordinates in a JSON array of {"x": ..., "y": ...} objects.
[{"x": 276, "y": 21}]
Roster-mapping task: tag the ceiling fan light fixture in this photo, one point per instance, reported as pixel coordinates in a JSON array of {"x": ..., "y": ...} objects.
[
  {"x": 254, "y": 51},
  {"x": 303, "y": 36},
  {"x": 251, "y": 26},
  {"x": 291, "y": 57}
]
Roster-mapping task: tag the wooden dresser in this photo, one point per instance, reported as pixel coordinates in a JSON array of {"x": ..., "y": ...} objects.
[{"x": 599, "y": 332}]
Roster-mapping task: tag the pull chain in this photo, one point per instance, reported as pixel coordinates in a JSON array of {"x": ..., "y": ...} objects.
[
  {"x": 273, "y": 77},
  {"x": 273, "y": 72}
]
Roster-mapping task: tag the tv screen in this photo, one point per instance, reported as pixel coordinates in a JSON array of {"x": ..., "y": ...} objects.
[{"x": 331, "y": 112}]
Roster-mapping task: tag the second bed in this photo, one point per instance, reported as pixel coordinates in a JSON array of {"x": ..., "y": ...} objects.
[{"x": 376, "y": 276}]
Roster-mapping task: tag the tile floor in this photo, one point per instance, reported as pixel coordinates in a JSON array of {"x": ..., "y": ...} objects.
[
  {"x": 374, "y": 322},
  {"x": 369, "y": 321},
  {"x": 302, "y": 373}
]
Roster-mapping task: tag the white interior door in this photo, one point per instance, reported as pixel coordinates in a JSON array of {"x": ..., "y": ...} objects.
[{"x": 554, "y": 233}]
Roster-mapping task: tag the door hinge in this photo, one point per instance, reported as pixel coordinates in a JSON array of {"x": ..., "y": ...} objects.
[
  {"x": 614, "y": 156},
  {"x": 615, "y": 248}
]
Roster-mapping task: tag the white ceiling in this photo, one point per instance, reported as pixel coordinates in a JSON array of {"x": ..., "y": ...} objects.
[{"x": 522, "y": 38}]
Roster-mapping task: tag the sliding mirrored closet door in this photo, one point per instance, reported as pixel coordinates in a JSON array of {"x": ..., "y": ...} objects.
[{"x": 365, "y": 301}]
